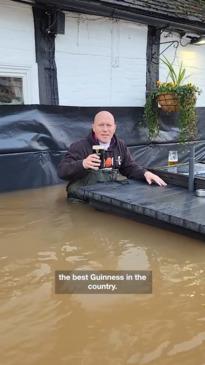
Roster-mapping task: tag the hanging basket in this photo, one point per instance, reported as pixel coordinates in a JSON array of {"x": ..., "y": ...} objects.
[{"x": 168, "y": 102}]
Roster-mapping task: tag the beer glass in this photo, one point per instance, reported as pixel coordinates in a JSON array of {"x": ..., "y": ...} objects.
[
  {"x": 172, "y": 158},
  {"x": 97, "y": 149},
  {"x": 100, "y": 151}
]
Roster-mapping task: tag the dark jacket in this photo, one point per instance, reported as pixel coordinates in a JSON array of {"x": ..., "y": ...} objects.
[{"x": 71, "y": 167}]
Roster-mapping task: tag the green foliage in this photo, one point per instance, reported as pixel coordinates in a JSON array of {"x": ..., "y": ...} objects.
[
  {"x": 186, "y": 95},
  {"x": 151, "y": 115},
  {"x": 187, "y": 112},
  {"x": 177, "y": 78}
]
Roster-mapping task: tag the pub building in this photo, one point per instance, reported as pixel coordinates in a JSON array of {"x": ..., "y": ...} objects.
[{"x": 62, "y": 61}]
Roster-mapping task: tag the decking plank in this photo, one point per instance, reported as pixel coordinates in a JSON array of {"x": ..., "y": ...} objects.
[{"x": 171, "y": 204}]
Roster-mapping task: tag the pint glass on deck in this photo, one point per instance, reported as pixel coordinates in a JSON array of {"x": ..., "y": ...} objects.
[{"x": 172, "y": 158}]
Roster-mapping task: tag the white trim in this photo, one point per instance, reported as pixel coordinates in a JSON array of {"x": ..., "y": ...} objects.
[{"x": 28, "y": 74}]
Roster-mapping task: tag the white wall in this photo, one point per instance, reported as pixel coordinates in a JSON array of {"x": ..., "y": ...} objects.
[
  {"x": 192, "y": 57},
  {"x": 17, "y": 46},
  {"x": 101, "y": 62}
]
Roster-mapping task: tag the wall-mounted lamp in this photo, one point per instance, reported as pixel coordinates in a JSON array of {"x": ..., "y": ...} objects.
[
  {"x": 195, "y": 39},
  {"x": 198, "y": 41}
]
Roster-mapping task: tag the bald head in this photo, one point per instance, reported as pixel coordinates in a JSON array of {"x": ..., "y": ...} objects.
[
  {"x": 104, "y": 115},
  {"x": 104, "y": 126}
]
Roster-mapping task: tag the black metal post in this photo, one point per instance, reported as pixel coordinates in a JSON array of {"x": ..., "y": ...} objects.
[{"x": 191, "y": 167}]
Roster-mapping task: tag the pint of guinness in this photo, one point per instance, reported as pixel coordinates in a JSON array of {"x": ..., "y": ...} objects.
[
  {"x": 100, "y": 151},
  {"x": 106, "y": 157}
]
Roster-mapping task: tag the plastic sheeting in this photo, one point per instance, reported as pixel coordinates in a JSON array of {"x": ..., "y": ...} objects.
[{"x": 34, "y": 138}]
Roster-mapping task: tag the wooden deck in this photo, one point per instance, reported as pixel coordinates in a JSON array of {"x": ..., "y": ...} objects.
[
  {"x": 169, "y": 207},
  {"x": 178, "y": 175}
]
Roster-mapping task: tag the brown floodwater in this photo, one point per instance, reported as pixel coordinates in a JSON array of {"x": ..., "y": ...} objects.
[{"x": 41, "y": 232}]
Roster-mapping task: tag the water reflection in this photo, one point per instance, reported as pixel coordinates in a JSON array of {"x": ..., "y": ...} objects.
[{"x": 41, "y": 232}]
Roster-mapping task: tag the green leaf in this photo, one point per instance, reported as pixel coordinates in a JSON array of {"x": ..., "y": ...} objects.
[{"x": 177, "y": 78}]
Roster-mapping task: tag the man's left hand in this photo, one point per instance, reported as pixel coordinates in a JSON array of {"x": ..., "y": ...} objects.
[{"x": 150, "y": 178}]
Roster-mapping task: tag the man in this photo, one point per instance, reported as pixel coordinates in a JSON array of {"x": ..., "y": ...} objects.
[{"x": 80, "y": 159}]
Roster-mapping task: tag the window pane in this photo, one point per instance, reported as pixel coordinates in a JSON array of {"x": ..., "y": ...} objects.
[{"x": 11, "y": 90}]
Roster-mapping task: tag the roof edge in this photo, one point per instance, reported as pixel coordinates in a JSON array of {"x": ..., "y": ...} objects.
[{"x": 123, "y": 12}]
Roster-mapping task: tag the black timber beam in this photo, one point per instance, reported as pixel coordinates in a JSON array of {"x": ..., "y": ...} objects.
[
  {"x": 130, "y": 13},
  {"x": 45, "y": 32},
  {"x": 153, "y": 49}
]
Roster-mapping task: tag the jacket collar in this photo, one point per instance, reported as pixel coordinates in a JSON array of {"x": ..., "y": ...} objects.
[{"x": 93, "y": 140}]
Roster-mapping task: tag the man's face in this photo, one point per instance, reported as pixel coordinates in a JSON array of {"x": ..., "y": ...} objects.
[{"x": 104, "y": 127}]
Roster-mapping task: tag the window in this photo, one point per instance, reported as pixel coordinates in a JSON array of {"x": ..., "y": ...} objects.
[
  {"x": 19, "y": 84},
  {"x": 11, "y": 90}
]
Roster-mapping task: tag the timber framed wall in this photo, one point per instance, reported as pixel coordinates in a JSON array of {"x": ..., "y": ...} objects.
[
  {"x": 34, "y": 137},
  {"x": 100, "y": 59},
  {"x": 17, "y": 47},
  {"x": 101, "y": 62}
]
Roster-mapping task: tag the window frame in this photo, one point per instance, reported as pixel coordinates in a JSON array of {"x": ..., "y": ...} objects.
[{"x": 27, "y": 74}]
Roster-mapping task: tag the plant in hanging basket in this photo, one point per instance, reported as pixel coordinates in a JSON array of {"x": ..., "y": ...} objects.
[
  {"x": 173, "y": 96},
  {"x": 168, "y": 102}
]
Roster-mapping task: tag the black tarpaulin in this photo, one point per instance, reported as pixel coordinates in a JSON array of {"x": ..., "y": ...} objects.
[{"x": 34, "y": 138}]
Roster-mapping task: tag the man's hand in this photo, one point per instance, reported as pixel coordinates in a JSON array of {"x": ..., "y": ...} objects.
[
  {"x": 150, "y": 177},
  {"x": 92, "y": 162}
]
